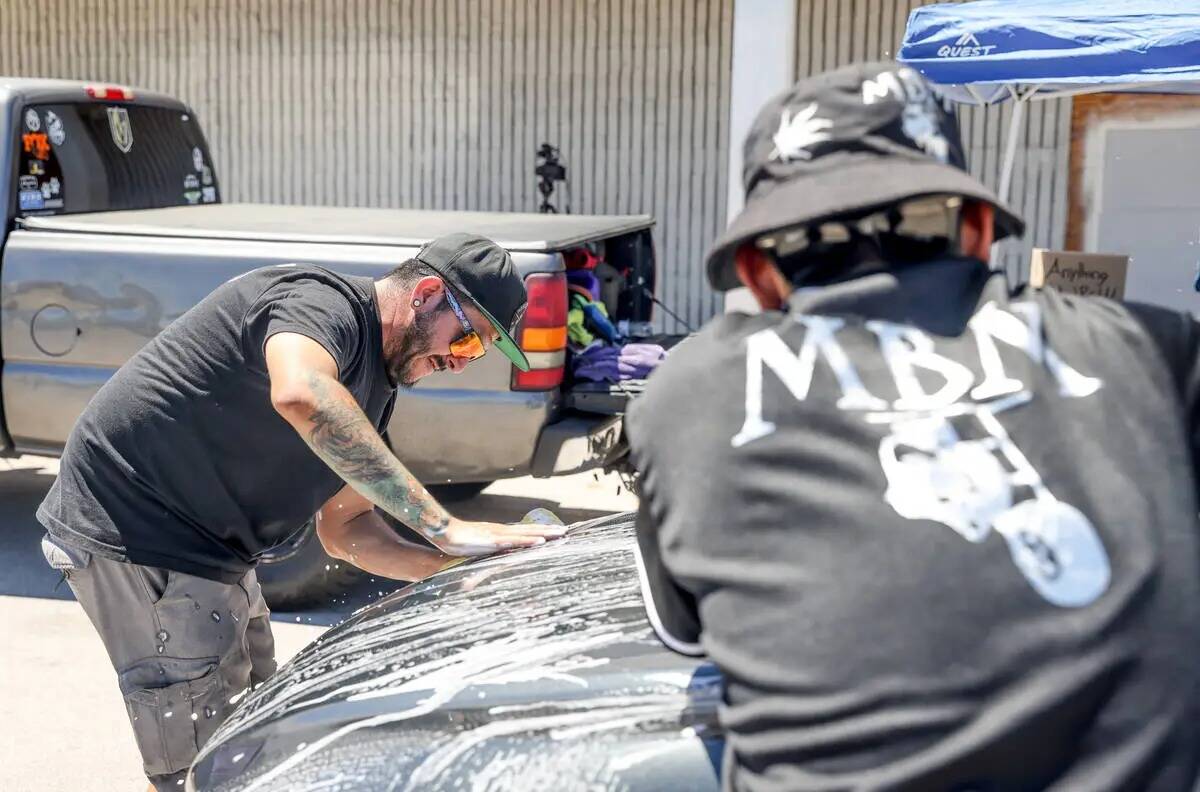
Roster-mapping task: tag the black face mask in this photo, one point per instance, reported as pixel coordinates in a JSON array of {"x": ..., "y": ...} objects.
[{"x": 856, "y": 253}]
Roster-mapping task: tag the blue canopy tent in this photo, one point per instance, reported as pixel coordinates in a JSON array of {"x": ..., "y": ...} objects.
[{"x": 989, "y": 51}]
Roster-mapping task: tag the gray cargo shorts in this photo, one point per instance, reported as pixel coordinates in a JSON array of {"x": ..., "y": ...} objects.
[{"x": 185, "y": 649}]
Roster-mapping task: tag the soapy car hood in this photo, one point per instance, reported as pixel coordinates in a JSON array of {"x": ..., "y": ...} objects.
[{"x": 535, "y": 669}]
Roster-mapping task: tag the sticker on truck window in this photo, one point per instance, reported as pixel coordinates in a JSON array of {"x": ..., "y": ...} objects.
[
  {"x": 54, "y": 126},
  {"x": 37, "y": 144},
  {"x": 122, "y": 130},
  {"x": 31, "y": 200},
  {"x": 39, "y": 179}
]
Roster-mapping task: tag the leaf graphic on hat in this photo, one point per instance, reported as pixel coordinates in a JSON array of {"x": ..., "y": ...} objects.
[{"x": 799, "y": 132}]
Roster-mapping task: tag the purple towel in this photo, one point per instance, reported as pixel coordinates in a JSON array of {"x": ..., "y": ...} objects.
[
  {"x": 638, "y": 360},
  {"x": 587, "y": 279},
  {"x": 612, "y": 364}
]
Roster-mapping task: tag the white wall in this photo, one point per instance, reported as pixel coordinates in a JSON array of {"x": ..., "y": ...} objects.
[{"x": 763, "y": 54}]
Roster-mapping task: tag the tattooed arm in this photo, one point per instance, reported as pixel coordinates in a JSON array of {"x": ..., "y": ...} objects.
[
  {"x": 351, "y": 529},
  {"x": 306, "y": 392}
]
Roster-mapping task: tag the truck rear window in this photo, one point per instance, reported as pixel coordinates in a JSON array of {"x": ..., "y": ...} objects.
[{"x": 93, "y": 157}]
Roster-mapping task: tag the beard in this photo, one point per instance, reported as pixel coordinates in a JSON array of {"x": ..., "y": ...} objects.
[{"x": 400, "y": 352}]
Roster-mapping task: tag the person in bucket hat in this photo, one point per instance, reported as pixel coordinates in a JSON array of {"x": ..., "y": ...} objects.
[
  {"x": 898, "y": 508},
  {"x": 259, "y": 407},
  {"x": 837, "y": 147}
]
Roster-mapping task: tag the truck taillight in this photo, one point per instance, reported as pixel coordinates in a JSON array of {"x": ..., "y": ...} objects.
[
  {"x": 108, "y": 92},
  {"x": 543, "y": 333}
]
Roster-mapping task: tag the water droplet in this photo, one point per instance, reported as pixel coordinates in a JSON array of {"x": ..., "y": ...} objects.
[
  {"x": 161, "y": 648},
  {"x": 216, "y": 616},
  {"x": 164, "y": 636},
  {"x": 195, "y": 716}
]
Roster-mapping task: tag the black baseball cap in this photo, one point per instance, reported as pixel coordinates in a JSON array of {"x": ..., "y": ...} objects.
[
  {"x": 481, "y": 271},
  {"x": 862, "y": 137}
]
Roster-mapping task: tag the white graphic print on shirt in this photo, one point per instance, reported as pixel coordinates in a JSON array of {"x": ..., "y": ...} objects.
[{"x": 947, "y": 457}]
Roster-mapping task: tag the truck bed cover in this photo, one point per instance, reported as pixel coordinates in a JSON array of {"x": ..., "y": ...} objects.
[{"x": 346, "y": 225}]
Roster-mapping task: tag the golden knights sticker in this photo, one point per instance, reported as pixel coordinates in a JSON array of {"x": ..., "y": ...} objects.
[{"x": 122, "y": 132}]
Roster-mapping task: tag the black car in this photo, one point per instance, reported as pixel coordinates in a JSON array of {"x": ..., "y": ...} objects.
[{"x": 535, "y": 670}]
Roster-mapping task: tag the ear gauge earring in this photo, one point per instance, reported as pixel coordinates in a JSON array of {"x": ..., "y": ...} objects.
[{"x": 416, "y": 303}]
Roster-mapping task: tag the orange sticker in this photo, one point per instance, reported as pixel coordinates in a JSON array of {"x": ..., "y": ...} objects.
[{"x": 37, "y": 143}]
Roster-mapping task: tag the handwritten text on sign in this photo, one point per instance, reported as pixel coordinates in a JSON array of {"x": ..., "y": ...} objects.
[{"x": 1080, "y": 273}]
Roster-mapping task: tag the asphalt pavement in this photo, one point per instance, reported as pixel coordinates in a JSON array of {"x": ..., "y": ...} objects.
[{"x": 62, "y": 721}]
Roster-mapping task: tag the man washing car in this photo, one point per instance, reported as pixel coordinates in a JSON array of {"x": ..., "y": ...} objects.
[{"x": 257, "y": 408}]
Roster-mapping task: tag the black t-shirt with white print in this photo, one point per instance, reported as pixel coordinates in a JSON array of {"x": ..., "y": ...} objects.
[
  {"x": 935, "y": 535},
  {"x": 180, "y": 461}
]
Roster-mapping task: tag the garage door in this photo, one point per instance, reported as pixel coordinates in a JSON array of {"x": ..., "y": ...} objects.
[{"x": 1149, "y": 207}]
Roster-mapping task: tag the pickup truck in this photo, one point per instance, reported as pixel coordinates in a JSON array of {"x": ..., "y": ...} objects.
[{"x": 115, "y": 226}]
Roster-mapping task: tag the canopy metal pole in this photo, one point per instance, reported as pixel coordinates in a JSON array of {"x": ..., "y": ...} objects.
[{"x": 1010, "y": 147}]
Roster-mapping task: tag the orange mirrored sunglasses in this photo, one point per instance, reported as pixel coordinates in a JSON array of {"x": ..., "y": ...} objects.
[{"x": 470, "y": 344}]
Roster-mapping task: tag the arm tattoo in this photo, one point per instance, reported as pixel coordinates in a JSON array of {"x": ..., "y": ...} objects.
[{"x": 344, "y": 438}]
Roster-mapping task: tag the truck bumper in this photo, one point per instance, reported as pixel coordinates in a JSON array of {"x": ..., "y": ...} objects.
[
  {"x": 447, "y": 435},
  {"x": 575, "y": 443}
]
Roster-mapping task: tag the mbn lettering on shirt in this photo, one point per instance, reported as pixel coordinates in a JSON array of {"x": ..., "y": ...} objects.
[{"x": 906, "y": 350}]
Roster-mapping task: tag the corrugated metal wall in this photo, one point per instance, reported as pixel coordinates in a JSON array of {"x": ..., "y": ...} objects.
[
  {"x": 832, "y": 33},
  {"x": 430, "y": 103}
]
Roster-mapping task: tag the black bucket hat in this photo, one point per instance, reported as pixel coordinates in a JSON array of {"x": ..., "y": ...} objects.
[
  {"x": 862, "y": 137},
  {"x": 483, "y": 272}
]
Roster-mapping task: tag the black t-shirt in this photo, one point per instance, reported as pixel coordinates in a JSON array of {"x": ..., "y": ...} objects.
[
  {"x": 935, "y": 535},
  {"x": 180, "y": 461}
]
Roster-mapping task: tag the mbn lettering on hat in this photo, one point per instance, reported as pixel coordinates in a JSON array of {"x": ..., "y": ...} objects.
[{"x": 862, "y": 137}]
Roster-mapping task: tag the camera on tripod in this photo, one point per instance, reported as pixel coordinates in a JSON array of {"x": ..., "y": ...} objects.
[{"x": 549, "y": 170}]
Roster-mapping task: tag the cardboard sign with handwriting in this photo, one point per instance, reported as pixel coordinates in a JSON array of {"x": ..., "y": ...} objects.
[{"x": 1068, "y": 271}]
